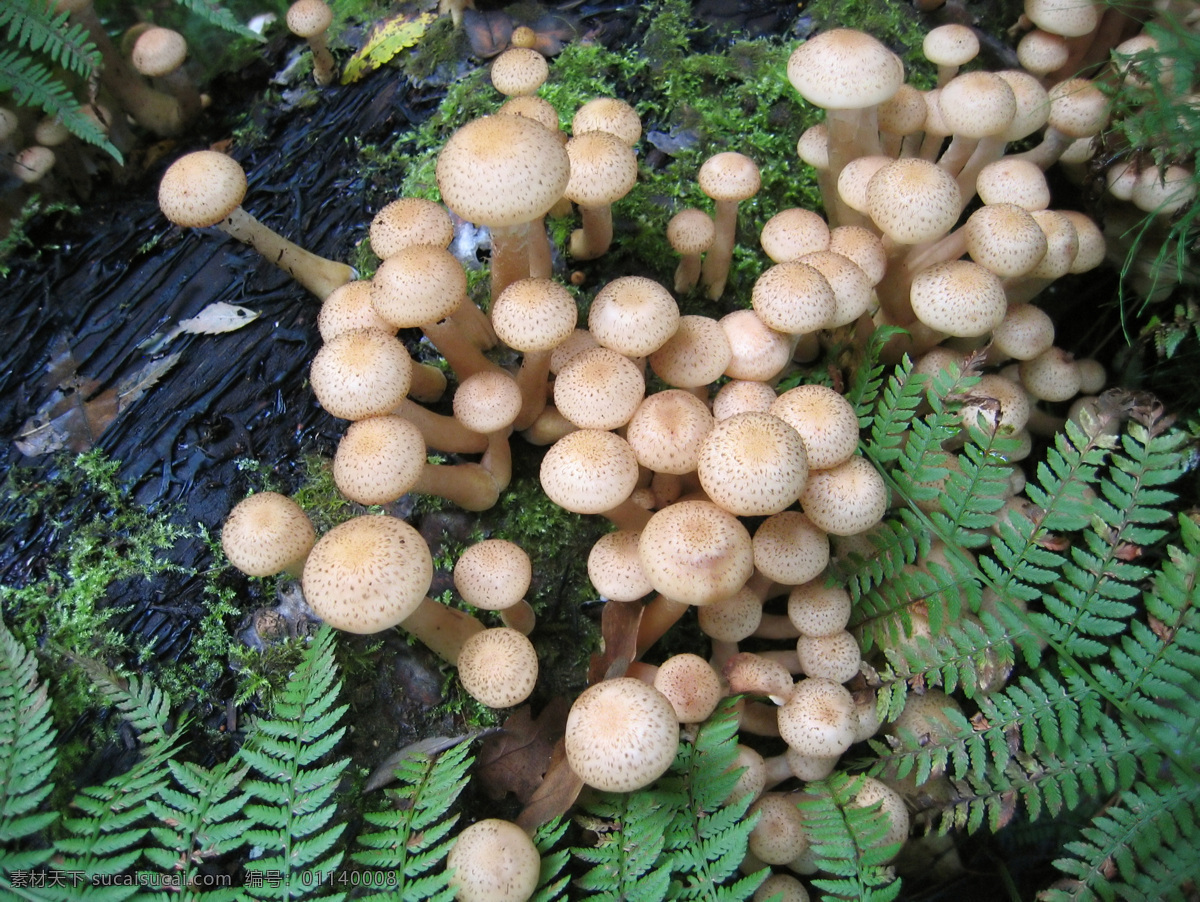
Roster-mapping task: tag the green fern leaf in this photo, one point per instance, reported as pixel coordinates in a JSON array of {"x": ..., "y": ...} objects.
[
  {"x": 294, "y": 808},
  {"x": 552, "y": 883},
  {"x": 868, "y": 375},
  {"x": 214, "y": 12},
  {"x": 35, "y": 27}
]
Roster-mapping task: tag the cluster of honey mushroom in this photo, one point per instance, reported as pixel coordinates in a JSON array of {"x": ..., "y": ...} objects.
[{"x": 722, "y": 499}]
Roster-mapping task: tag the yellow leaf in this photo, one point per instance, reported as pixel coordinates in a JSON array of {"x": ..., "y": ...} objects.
[{"x": 386, "y": 40}]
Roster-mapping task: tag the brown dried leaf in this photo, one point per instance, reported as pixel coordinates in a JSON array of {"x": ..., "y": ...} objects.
[
  {"x": 385, "y": 773},
  {"x": 618, "y": 629},
  {"x": 555, "y": 796},
  {"x": 515, "y": 759}
]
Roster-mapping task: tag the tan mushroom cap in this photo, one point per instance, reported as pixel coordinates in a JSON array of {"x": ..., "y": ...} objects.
[
  {"x": 913, "y": 200},
  {"x": 266, "y": 534},
  {"x": 493, "y": 861},
  {"x": 1062, "y": 244},
  {"x": 1165, "y": 191},
  {"x": 1051, "y": 376},
  {"x": 891, "y": 803},
  {"x": 633, "y": 315},
  {"x": 487, "y": 401},
  {"x": 816, "y": 609},
  {"x": 789, "y": 548},
  {"x": 1005, "y": 239},
  {"x": 502, "y": 170},
  {"x": 846, "y": 499},
  {"x": 1033, "y": 104},
  {"x": 599, "y": 389},
  {"x": 379, "y": 459},
  {"x": 819, "y": 718},
  {"x": 607, "y": 114},
  {"x": 1042, "y": 52},
  {"x": 1078, "y": 108},
  {"x": 534, "y": 315},
  {"x": 361, "y": 374},
  {"x": 825, "y": 420},
  {"x": 367, "y": 574},
  {"x": 792, "y": 233},
  {"x": 409, "y": 221},
  {"x": 977, "y": 104},
  {"x": 783, "y": 887},
  {"x": 780, "y": 834},
  {"x": 1069, "y": 18},
  {"x": 531, "y": 107},
  {"x": 498, "y": 667},
  {"x": 1025, "y": 332},
  {"x": 904, "y": 112},
  {"x": 577, "y": 342},
  {"x": 1010, "y": 181},
  {"x": 695, "y": 355},
  {"x": 958, "y": 298},
  {"x": 863, "y": 248},
  {"x": 794, "y": 298},
  {"x": 621, "y": 735},
  {"x": 729, "y": 176},
  {"x": 851, "y": 287},
  {"x": 753, "y": 464},
  {"x": 691, "y": 686},
  {"x": 493, "y": 574},
  {"x": 759, "y": 353},
  {"x": 1092, "y": 245},
  {"x": 202, "y": 188},
  {"x": 731, "y": 619},
  {"x": 615, "y": 568},
  {"x": 603, "y": 169},
  {"x": 837, "y": 657},
  {"x": 306, "y": 18},
  {"x": 589, "y": 471},
  {"x": 855, "y": 176},
  {"x": 348, "y": 309},
  {"x": 812, "y": 147},
  {"x": 418, "y": 285},
  {"x": 667, "y": 431},
  {"x": 690, "y": 231},
  {"x": 844, "y": 69},
  {"x": 159, "y": 51},
  {"x": 519, "y": 71},
  {"x": 696, "y": 552},
  {"x": 741, "y": 395},
  {"x": 950, "y": 45}
]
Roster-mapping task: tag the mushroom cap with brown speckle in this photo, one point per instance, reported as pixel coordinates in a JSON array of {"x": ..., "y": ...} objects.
[
  {"x": 621, "y": 735},
  {"x": 202, "y": 188}
]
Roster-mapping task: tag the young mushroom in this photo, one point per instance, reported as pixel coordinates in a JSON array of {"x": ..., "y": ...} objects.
[
  {"x": 494, "y": 575},
  {"x": 309, "y": 19},
  {"x": 267, "y": 533},
  {"x": 728, "y": 178},
  {"x": 493, "y": 861},
  {"x": 206, "y": 188}
]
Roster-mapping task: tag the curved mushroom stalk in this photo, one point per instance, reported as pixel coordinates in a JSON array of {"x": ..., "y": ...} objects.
[{"x": 317, "y": 274}]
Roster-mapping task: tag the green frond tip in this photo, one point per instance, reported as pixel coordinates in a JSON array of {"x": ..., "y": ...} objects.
[
  {"x": 35, "y": 27},
  {"x": 27, "y": 755},
  {"x": 214, "y": 12}
]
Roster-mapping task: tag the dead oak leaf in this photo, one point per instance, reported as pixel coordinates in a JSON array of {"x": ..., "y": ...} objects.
[
  {"x": 555, "y": 796},
  {"x": 515, "y": 759}
]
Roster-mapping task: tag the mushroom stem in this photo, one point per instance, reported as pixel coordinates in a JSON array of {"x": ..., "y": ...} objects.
[
  {"x": 441, "y": 629},
  {"x": 519, "y": 617},
  {"x": 441, "y": 432},
  {"x": 659, "y": 615},
  {"x": 469, "y": 485},
  {"x": 318, "y": 275},
  {"x": 324, "y": 66},
  {"x": 461, "y": 353},
  {"x": 428, "y": 383},
  {"x": 687, "y": 273},
  {"x": 627, "y": 515},
  {"x": 532, "y": 379},
  {"x": 510, "y": 255},
  {"x": 474, "y": 324},
  {"x": 497, "y": 459},
  {"x": 595, "y": 238},
  {"x": 541, "y": 261},
  {"x": 715, "y": 268}
]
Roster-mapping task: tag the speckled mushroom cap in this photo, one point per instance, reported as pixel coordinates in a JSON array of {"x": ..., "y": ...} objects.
[
  {"x": 753, "y": 464},
  {"x": 844, "y": 69},
  {"x": 695, "y": 552},
  {"x": 851, "y": 288},
  {"x": 621, "y": 735},
  {"x": 1033, "y": 104},
  {"x": 599, "y": 389},
  {"x": 502, "y": 170},
  {"x": 741, "y": 395},
  {"x": 589, "y": 471},
  {"x": 615, "y": 568},
  {"x": 1062, "y": 244},
  {"x": 783, "y": 887},
  {"x": 819, "y": 718},
  {"x": 519, "y": 71},
  {"x": 846, "y": 499},
  {"x": 202, "y": 188},
  {"x": 779, "y": 834},
  {"x": 603, "y": 169},
  {"x": 825, "y": 420},
  {"x": 667, "y": 430},
  {"x": 812, "y": 147},
  {"x": 379, "y": 459},
  {"x": 534, "y": 315},
  {"x": 816, "y": 609},
  {"x": 835, "y": 657},
  {"x": 731, "y": 619},
  {"x": 1025, "y": 332},
  {"x": 959, "y": 298},
  {"x": 1078, "y": 108},
  {"x": 1005, "y": 239},
  {"x": 789, "y": 548},
  {"x": 493, "y": 574},
  {"x": 493, "y": 861},
  {"x": 891, "y": 803},
  {"x": 792, "y": 233},
  {"x": 1051, "y": 376},
  {"x": 864, "y": 249},
  {"x": 691, "y": 231},
  {"x": 729, "y": 176},
  {"x": 487, "y": 401},
  {"x": 306, "y": 18},
  {"x": 1165, "y": 191},
  {"x": 1092, "y": 245},
  {"x": 1042, "y": 52},
  {"x": 793, "y": 297},
  {"x": 759, "y": 353},
  {"x": 359, "y": 374},
  {"x": 498, "y": 667},
  {"x": 695, "y": 355},
  {"x": 409, "y": 221},
  {"x": 608, "y": 114},
  {"x": 950, "y": 45},
  {"x": 855, "y": 176},
  {"x": 904, "y": 112},
  {"x": 1013, "y": 181},
  {"x": 266, "y": 534},
  {"x": 691, "y": 686},
  {"x": 977, "y": 104},
  {"x": 531, "y": 107},
  {"x": 347, "y": 309},
  {"x": 1069, "y": 18},
  {"x": 913, "y": 200},
  {"x": 158, "y": 51},
  {"x": 633, "y": 315},
  {"x": 367, "y": 574},
  {"x": 418, "y": 285}
]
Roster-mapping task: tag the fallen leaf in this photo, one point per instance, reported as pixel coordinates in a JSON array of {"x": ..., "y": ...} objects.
[
  {"x": 214, "y": 319},
  {"x": 141, "y": 380},
  {"x": 385, "y": 773},
  {"x": 555, "y": 796},
  {"x": 515, "y": 759},
  {"x": 386, "y": 39},
  {"x": 618, "y": 630}
]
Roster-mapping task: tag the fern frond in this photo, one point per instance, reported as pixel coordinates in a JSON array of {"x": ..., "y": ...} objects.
[
  {"x": 628, "y": 862},
  {"x": 412, "y": 836},
  {"x": 214, "y": 12},
  {"x": 868, "y": 375},
  {"x": 293, "y": 805},
  {"x": 35, "y": 27},
  {"x": 146, "y": 707},
  {"x": 898, "y": 401},
  {"x": 551, "y": 886},
  {"x": 32, "y": 84},
  {"x": 847, "y": 841},
  {"x": 975, "y": 491},
  {"x": 27, "y": 755}
]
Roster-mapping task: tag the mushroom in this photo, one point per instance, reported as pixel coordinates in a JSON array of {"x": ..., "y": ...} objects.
[
  {"x": 817, "y": 609},
  {"x": 690, "y": 233},
  {"x": 615, "y": 568},
  {"x": 819, "y": 718},
  {"x": 488, "y": 403},
  {"x": 728, "y": 178},
  {"x": 691, "y": 685},
  {"x": 825, "y": 420},
  {"x": 498, "y": 667},
  {"x": 206, "y": 188},
  {"x": 599, "y": 389},
  {"x": 591, "y": 471},
  {"x": 519, "y": 71},
  {"x": 603, "y": 170},
  {"x": 309, "y": 19},
  {"x": 494, "y": 575},
  {"x": 790, "y": 549},
  {"x": 159, "y": 53},
  {"x": 608, "y": 114},
  {"x": 633, "y": 315},
  {"x": 493, "y": 861},
  {"x": 753, "y": 464},
  {"x": 621, "y": 735},
  {"x": 694, "y": 356},
  {"x": 267, "y": 533},
  {"x": 846, "y": 499},
  {"x": 364, "y": 373}
]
